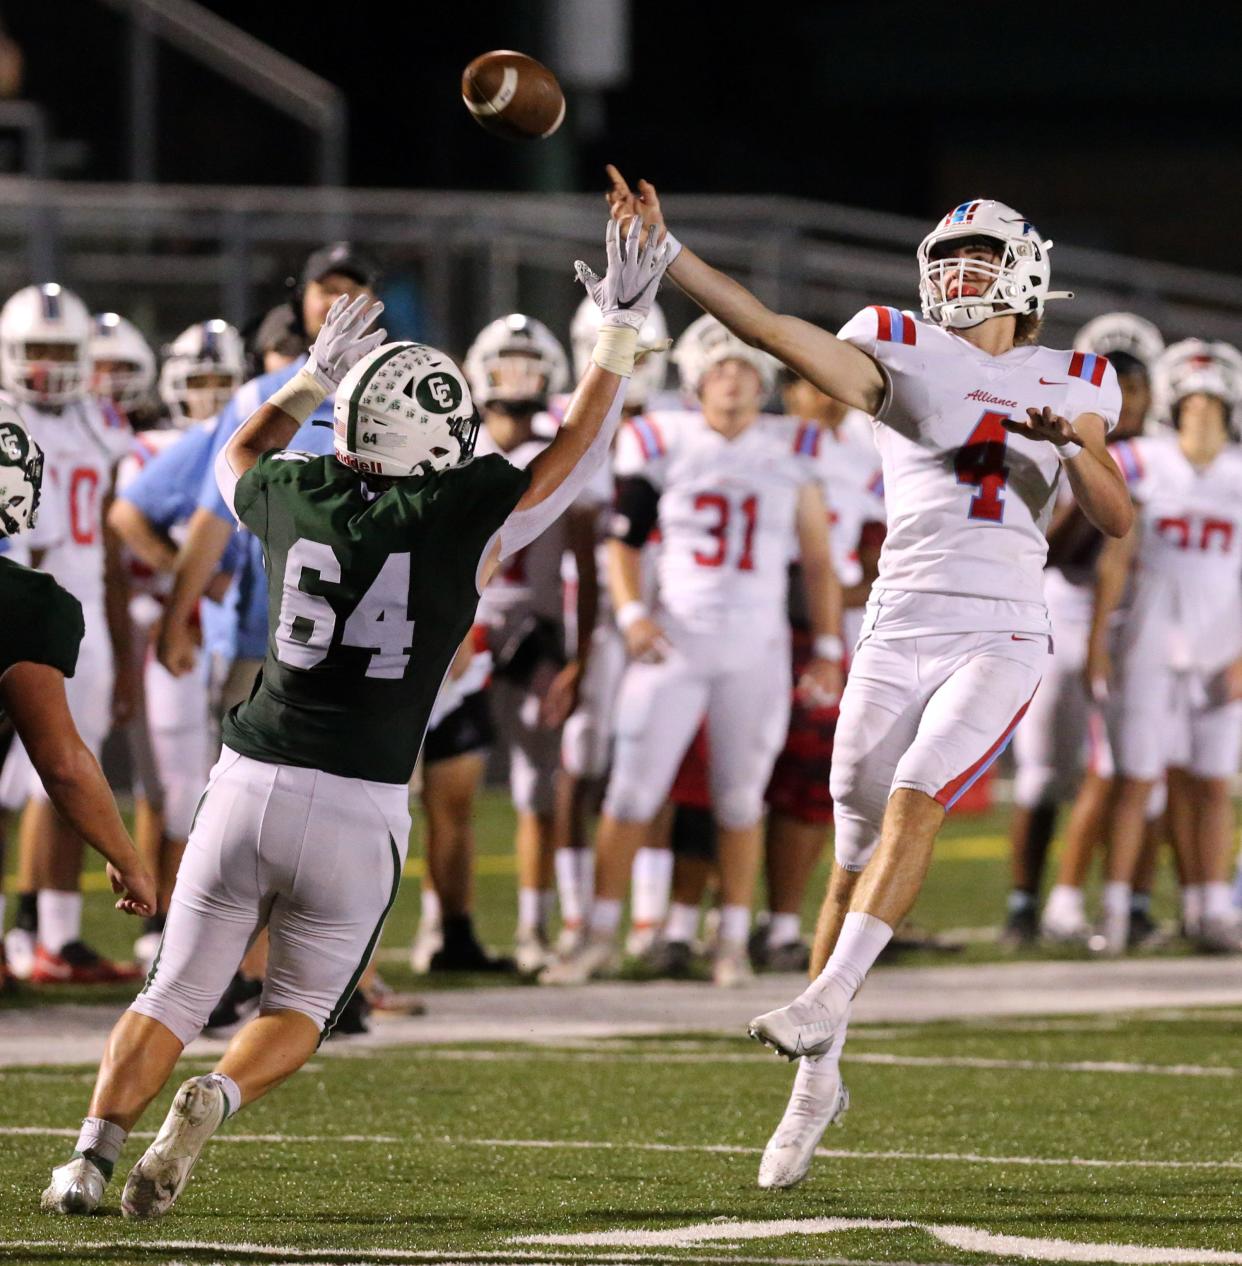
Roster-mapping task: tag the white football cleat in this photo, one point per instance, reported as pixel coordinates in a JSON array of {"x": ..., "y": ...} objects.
[
  {"x": 598, "y": 959},
  {"x": 428, "y": 941},
  {"x": 570, "y": 940},
  {"x": 1064, "y": 931},
  {"x": 640, "y": 939},
  {"x": 530, "y": 951},
  {"x": 807, "y": 1026},
  {"x": 731, "y": 967},
  {"x": 164, "y": 1168},
  {"x": 19, "y": 953},
  {"x": 77, "y": 1186},
  {"x": 819, "y": 1100}
]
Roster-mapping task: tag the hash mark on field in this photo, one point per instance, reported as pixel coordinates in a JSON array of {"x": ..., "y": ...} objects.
[{"x": 722, "y": 1149}]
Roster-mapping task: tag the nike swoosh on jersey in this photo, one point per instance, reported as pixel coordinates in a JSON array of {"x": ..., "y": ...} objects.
[
  {"x": 1013, "y": 637},
  {"x": 1044, "y": 382}
]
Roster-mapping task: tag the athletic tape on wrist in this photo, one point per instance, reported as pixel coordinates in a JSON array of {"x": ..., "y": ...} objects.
[
  {"x": 1069, "y": 450},
  {"x": 300, "y": 396},
  {"x": 615, "y": 349},
  {"x": 630, "y": 613}
]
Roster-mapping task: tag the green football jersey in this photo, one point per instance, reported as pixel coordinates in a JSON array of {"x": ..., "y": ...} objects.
[
  {"x": 40, "y": 623},
  {"x": 369, "y": 598}
]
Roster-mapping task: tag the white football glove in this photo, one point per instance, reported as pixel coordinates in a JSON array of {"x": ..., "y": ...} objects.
[
  {"x": 342, "y": 342},
  {"x": 628, "y": 289}
]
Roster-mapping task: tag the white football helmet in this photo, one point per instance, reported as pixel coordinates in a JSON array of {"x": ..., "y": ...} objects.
[
  {"x": 1017, "y": 284},
  {"x": 118, "y": 341},
  {"x": 405, "y": 409},
  {"x": 1197, "y": 367},
  {"x": 209, "y": 349},
  {"x": 705, "y": 342},
  {"x": 649, "y": 371},
  {"x": 516, "y": 360},
  {"x": 34, "y": 320},
  {"x": 21, "y": 474},
  {"x": 1123, "y": 332}
]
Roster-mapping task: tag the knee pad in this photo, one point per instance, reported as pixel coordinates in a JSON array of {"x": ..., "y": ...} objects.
[
  {"x": 739, "y": 807},
  {"x": 854, "y": 792},
  {"x": 181, "y": 796},
  {"x": 855, "y": 839},
  {"x": 629, "y": 800},
  {"x": 581, "y": 753},
  {"x": 1036, "y": 784}
]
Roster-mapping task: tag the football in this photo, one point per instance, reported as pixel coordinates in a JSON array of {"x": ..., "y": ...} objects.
[{"x": 513, "y": 96}]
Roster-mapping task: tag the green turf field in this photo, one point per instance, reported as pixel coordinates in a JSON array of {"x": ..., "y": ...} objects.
[{"x": 453, "y": 1152}]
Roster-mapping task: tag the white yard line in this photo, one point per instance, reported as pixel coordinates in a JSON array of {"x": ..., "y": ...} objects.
[{"x": 723, "y": 1149}]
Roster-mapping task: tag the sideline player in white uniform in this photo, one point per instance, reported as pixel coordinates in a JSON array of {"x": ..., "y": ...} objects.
[
  {"x": 515, "y": 366},
  {"x": 978, "y": 425},
  {"x": 1176, "y": 665},
  {"x": 586, "y": 741},
  {"x": 735, "y": 500},
  {"x": 1051, "y": 745},
  {"x": 170, "y": 737},
  {"x": 376, "y": 555},
  {"x": 45, "y": 333},
  {"x": 122, "y": 363}
]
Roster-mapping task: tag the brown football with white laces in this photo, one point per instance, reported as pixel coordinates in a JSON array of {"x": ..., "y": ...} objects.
[{"x": 513, "y": 96}]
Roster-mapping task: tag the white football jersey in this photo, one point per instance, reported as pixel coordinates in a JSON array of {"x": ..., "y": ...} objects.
[
  {"x": 82, "y": 444},
  {"x": 143, "y": 582},
  {"x": 727, "y": 514},
  {"x": 968, "y": 503},
  {"x": 849, "y": 473},
  {"x": 1186, "y": 607}
]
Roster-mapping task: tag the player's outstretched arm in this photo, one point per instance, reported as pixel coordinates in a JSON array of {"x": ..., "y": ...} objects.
[
  {"x": 838, "y": 368},
  {"x": 33, "y": 695},
  {"x": 343, "y": 340},
  {"x": 636, "y": 262},
  {"x": 1098, "y": 485}
]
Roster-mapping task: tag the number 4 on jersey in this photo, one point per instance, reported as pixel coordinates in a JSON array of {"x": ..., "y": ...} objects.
[{"x": 980, "y": 462}]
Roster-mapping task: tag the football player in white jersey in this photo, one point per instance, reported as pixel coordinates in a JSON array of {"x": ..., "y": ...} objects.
[
  {"x": 1050, "y": 745},
  {"x": 735, "y": 500},
  {"x": 45, "y": 365},
  {"x": 122, "y": 363},
  {"x": 840, "y": 440},
  {"x": 170, "y": 741},
  {"x": 586, "y": 742},
  {"x": 1176, "y": 661},
  {"x": 978, "y": 426},
  {"x": 515, "y": 366}
]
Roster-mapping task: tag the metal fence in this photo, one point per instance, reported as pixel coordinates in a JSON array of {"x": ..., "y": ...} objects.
[{"x": 167, "y": 255}]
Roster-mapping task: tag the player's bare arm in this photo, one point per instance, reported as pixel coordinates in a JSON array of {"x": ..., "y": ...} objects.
[
  {"x": 33, "y": 695},
  {"x": 823, "y": 679},
  {"x": 1098, "y": 486},
  {"x": 835, "y": 367},
  {"x": 1112, "y": 570},
  {"x": 152, "y": 547},
  {"x": 125, "y": 684},
  {"x": 636, "y": 263},
  {"x": 562, "y": 695},
  {"x": 198, "y": 561},
  {"x": 644, "y": 638}
]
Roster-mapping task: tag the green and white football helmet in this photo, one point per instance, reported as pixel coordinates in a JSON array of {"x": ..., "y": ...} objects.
[
  {"x": 404, "y": 409},
  {"x": 21, "y": 474}
]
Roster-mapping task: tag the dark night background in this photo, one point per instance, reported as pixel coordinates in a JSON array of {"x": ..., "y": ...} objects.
[{"x": 1115, "y": 130}]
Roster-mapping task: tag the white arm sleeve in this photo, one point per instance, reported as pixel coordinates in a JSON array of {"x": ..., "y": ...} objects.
[
  {"x": 226, "y": 480},
  {"x": 523, "y": 526}
]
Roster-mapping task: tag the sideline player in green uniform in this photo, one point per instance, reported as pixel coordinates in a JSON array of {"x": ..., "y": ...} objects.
[
  {"x": 40, "y": 632},
  {"x": 375, "y": 559}
]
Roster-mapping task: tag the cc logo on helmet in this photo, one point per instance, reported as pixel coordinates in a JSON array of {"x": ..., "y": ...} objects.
[
  {"x": 438, "y": 393},
  {"x": 13, "y": 443}
]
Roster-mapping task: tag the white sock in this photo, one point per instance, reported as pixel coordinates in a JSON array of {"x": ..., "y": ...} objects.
[
  {"x": 1064, "y": 905},
  {"x": 60, "y": 919},
  {"x": 584, "y": 860},
  {"x": 429, "y": 908},
  {"x": 568, "y": 885},
  {"x": 103, "y": 1141},
  {"x": 547, "y": 905},
  {"x": 784, "y": 929},
  {"x": 862, "y": 938},
  {"x": 652, "y": 878},
  {"x": 1116, "y": 899},
  {"x": 1218, "y": 902},
  {"x": 682, "y": 924},
  {"x": 605, "y": 917},
  {"x": 1192, "y": 906},
  {"x": 734, "y": 924},
  {"x": 232, "y": 1092},
  {"x": 530, "y": 907}
]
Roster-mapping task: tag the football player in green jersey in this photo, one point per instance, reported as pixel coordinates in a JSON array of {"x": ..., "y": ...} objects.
[
  {"x": 40, "y": 633},
  {"x": 375, "y": 558}
]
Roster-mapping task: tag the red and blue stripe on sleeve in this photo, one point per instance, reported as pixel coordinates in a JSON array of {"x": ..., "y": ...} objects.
[
  {"x": 1089, "y": 366},
  {"x": 807, "y": 442},
  {"x": 649, "y": 438},
  {"x": 893, "y": 326},
  {"x": 1129, "y": 461}
]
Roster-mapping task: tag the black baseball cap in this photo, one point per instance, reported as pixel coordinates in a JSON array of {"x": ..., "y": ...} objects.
[{"x": 340, "y": 257}]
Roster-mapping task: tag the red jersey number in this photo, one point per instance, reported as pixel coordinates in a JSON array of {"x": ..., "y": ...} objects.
[
  {"x": 84, "y": 505},
  {"x": 980, "y": 462},
  {"x": 721, "y": 510}
]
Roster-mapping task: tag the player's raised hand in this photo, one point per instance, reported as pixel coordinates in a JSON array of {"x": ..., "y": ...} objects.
[
  {"x": 343, "y": 340},
  {"x": 623, "y": 202},
  {"x": 1044, "y": 424},
  {"x": 636, "y": 262}
]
